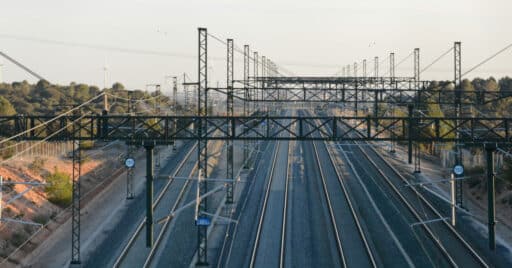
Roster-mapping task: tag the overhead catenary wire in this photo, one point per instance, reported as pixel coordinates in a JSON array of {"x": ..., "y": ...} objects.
[
  {"x": 240, "y": 51},
  {"x": 102, "y": 47}
]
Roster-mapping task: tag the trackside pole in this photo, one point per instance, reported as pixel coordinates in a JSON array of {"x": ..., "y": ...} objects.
[
  {"x": 491, "y": 184},
  {"x": 452, "y": 196},
  {"x": 149, "y": 194}
]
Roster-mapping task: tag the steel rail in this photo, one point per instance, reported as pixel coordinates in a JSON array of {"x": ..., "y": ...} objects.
[
  {"x": 166, "y": 225},
  {"x": 264, "y": 207},
  {"x": 133, "y": 238},
  {"x": 416, "y": 214},
  {"x": 282, "y": 253},
  {"x": 331, "y": 210},
  {"x": 349, "y": 202},
  {"x": 458, "y": 237}
]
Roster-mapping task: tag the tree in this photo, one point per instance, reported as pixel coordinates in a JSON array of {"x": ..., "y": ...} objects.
[
  {"x": 491, "y": 84},
  {"x": 505, "y": 85},
  {"x": 6, "y": 107},
  {"x": 117, "y": 86}
]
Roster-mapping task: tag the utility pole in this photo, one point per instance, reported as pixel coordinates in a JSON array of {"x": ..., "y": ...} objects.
[
  {"x": 491, "y": 191},
  {"x": 393, "y": 87},
  {"x": 458, "y": 106},
  {"x": 230, "y": 125},
  {"x": 246, "y": 97},
  {"x": 105, "y": 96},
  {"x": 376, "y": 67},
  {"x": 202, "y": 157},
  {"x": 186, "y": 97},
  {"x": 417, "y": 155},
  {"x": 175, "y": 107},
  {"x": 417, "y": 67},
  {"x": 255, "y": 84},
  {"x": 364, "y": 68},
  {"x": 262, "y": 84},
  {"x": 75, "y": 205}
]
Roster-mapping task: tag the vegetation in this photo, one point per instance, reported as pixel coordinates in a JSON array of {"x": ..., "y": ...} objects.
[
  {"x": 59, "y": 188},
  {"x": 41, "y": 218},
  {"x": 18, "y": 237},
  {"x": 45, "y": 98},
  {"x": 37, "y": 164}
]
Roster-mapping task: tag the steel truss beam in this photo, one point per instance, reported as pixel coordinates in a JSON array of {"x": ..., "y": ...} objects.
[
  {"x": 395, "y": 92},
  {"x": 472, "y": 130}
]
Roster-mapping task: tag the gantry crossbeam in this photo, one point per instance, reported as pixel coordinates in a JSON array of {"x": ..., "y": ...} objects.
[{"x": 161, "y": 129}]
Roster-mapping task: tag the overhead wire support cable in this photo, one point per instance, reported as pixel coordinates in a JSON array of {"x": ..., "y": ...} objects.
[
  {"x": 436, "y": 60},
  {"x": 22, "y": 66},
  {"x": 487, "y": 59}
]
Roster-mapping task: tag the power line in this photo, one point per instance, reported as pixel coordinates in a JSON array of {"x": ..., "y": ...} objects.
[
  {"x": 436, "y": 60},
  {"x": 488, "y": 59},
  {"x": 403, "y": 60},
  {"x": 98, "y": 46}
]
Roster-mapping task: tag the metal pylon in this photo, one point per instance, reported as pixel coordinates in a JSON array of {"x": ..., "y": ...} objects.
[
  {"x": 229, "y": 113},
  {"x": 202, "y": 154},
  {"x": 246, "y": 97},
  {"x": 75, "y": 206},
  {"x": 458, "y": 104}
]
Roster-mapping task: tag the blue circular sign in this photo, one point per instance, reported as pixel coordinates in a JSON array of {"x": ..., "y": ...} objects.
[
  {"x": 129, "y": 162},
  {"x": 458, "y": 169}
]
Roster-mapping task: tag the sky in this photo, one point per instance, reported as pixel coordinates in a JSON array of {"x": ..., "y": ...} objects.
[{"x": 61, "y": 39}]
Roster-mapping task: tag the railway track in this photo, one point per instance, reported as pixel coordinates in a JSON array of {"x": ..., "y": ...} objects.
[
  {"x": 138, "y": 232},
  {"x": 353, "y": 213},
  {"x": 334, "y": 213},
  {"x": 449, "y": 241},
  {"x": 448, "y": 234},
  {"x": 263, "y": 214},
  {"x": 273, "y": 182}
]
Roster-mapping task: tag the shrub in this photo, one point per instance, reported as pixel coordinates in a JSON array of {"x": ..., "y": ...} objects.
[
  {"x": 59, "y": 188},
  {"x": 86, "y": 145},
  {"x": 17, "y": 238},
  {"x": 41, "y": 218},
  {"x": 37, "y": 164}
]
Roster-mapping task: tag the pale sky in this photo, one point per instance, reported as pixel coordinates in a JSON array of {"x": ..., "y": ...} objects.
[{"x": 306, "y": 37}]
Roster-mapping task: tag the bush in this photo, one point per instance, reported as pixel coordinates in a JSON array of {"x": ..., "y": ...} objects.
[
  {"x": 17, "y": 238},
  {"x": 37, "y": 164},
  {"x": 59, "y": 188},
  {"x": 86, "y": 145},
  {"x": 41, "y": 218}
]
